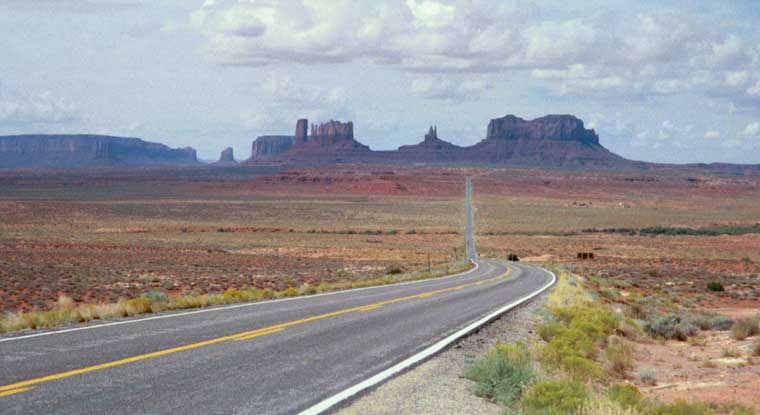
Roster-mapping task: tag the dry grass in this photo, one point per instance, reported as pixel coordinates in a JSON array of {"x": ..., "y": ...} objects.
[
  {"x": 67, "y": 311},
  {"x": 746, "y": 327}
]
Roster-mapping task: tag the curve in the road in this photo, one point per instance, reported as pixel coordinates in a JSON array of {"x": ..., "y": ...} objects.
[{"x": 299, "y": 355}]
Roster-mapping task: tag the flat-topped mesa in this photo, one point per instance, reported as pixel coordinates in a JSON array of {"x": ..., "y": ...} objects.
[
  {"x": 332, "y": 132},
  {"x": 41, "y": 150},
  {"x": 271, "y": 145},
  {"x": 549, "y": 127}
]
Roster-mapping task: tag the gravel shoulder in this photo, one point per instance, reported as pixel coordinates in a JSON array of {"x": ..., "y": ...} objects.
[{"x": 436, "y": 386}]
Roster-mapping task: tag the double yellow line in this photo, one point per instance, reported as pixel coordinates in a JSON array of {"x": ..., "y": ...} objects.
[{"x": 28, "y": 385}]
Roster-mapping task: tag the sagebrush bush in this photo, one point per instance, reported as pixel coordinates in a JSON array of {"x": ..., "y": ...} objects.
[
  {"x": 618, "y": 357},
  {"x": 709, "y": 321},
  {"x": 746, "y": 327},
  {"x": 647, "y": 376},
  {"x": 556, "y": 397},
  {"x": 670, "y": 327},
  {"x": 502, "y": 375},
  {"x": 721, "y": 323},
  {"x": 156, "y": 296}
]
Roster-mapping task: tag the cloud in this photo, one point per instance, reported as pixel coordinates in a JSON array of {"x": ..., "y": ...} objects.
[
  {"x": 449, "y": 89},
  {"x": 574, "y": 53},
  {"x": 752, "y": 130},
  {"x": 754, "y": 91},
  {"x": 712, "y": 135},
  {"x": 19, "y": 110},
  {"x": 72, "y": 6},
  {"x": 285, "y": 100}
]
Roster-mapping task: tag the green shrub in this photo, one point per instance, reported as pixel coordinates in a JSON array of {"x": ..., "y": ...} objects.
[
  {"x": 682, "y": 408},
  {"x": 670, "y": 327},
  {"x": 605, "y": 407},
  {"x": 548, "y": 331},
  {"x": 582, "y": 368},
  {"x": 715, "y": 286},
  {"x": 628, "y": 396},
  {"x": 561, "y": 397},
  {"x": 502, "y": 374},
  {"x": 746, "y": 327}
]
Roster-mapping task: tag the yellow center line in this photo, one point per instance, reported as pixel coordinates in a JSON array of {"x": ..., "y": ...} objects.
[
  {"x": 25, "y": 385},
  {"x": 15, "y": 391},
  {"x": 261, "y": 333}
]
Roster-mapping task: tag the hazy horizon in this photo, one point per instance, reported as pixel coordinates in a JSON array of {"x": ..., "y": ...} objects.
[{"x": 674, "y": 81}]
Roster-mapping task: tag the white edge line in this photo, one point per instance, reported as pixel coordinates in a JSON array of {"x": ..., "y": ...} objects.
[
  {"x": 229, "y": 307},
  {"x": 387, "y": 373}
]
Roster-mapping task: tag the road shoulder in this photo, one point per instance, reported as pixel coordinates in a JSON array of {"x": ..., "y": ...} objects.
[{"x": 436, "y": 386}]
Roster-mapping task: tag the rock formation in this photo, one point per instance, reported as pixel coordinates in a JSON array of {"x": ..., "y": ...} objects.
[
  {"x": 331, "y": 142},
  {"x": 227, "y": 158},
  {"x": 550, "y": 141},
  {"x": 40, "y": 151},
  {"x": 431, "y": 148},
  {"x": 332, "y": 132},
  {"x": 271, "y": 145},
  {"x": 227, "y": 155},
  {"x": 550, "y": 127},
  {"x": 301, "y": 131}
]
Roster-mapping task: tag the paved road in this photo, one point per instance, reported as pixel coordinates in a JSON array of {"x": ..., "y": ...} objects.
[
  {"x": 469, "y": 227},
  {"x": 278, "y": 357}
]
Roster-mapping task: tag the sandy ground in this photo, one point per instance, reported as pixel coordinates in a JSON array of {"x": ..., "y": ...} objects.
[
  {"x": 436, "y": 386},
  {"x": 715, "y": 369}
]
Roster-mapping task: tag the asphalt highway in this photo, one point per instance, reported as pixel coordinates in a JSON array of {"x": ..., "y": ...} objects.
[{"x": 276, "y": 357}]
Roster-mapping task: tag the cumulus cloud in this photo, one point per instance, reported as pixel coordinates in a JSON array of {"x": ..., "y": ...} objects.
[
  {"x": 752, "y": 130},
  {"x": 17, "y": 109},
  {"x": 658, "y": 52},
  {"x": 449, "y": 89}
]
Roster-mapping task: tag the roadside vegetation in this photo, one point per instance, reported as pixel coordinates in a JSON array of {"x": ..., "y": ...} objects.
[
  {"x": 583, "y": 360},
  {"x": 67, "y": 311},
  {"x": 683, "y": 231}
]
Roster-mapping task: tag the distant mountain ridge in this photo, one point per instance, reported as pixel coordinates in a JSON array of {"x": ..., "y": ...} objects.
[{"x": 55, "y": 151}]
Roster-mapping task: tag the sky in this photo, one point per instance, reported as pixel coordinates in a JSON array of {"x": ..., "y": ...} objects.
[{"x": 665, "y": 81}]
